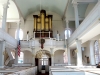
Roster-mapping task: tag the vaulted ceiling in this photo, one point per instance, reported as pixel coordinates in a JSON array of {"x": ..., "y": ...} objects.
[{"x": 29, "y": 6}]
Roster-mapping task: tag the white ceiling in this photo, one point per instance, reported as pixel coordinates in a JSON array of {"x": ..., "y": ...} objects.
[{"x": 29, "y": 6}]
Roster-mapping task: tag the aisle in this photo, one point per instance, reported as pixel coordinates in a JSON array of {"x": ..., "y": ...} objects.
[{"x": 47, "y": 73}]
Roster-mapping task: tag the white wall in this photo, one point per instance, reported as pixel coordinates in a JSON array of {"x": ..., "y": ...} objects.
[
  {"x": 86, "y": 52},
  {"x": 58, "y": 57},
  {"x": 57, "y": 23},
  {"x": 73, "y": 58},
  {"x": 27, "y": 57}
]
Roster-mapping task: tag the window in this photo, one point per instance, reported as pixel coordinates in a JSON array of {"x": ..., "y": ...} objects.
[
  {"x": 21, "y": 58},
  {"x": 20, "y": 34},
  {"x": 69, "y": 33},
  {"x": 97, "y": 52},
  {"x": 44, "y": 60}
]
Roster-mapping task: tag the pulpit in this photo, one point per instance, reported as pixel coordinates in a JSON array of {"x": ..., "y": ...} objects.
[{"x": 43, "y": 25}]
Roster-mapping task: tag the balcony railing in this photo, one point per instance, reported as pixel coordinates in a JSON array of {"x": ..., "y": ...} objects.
[{"x": 50, "y": 42}]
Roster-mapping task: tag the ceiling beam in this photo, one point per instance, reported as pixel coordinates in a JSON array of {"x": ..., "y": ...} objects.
[{"x": 83, "y": 1}]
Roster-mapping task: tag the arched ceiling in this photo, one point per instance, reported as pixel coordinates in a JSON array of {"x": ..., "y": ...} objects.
[{"x": 29, "y": 6}]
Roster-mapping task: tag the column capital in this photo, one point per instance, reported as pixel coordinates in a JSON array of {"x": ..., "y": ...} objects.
[
  {"x": 75, "y": 4},
  {"x": 5, "y": 5},
  {"x": 67, "y": 21},
  {"x": 77, "y": 40}
]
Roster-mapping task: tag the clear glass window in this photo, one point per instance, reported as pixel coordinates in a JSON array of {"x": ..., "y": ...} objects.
[
  {"x": 97, "y": 52},
  {"x": 21, "y": 58},
  {"x": 69, "y": 33},
  {"x": 20, "y": 34}
]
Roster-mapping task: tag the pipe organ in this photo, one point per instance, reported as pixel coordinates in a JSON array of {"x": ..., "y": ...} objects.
[{"x": 43, "y": 25}]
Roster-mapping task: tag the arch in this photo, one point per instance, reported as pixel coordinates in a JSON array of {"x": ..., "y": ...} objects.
[
  {"x": 21, "y": 58},
  {"x": 26, "y": 49},
  {"x": 58, "y": 50},
  {"x": 28, "y": 57},
  {"x": 58, "y": 57},
  {"x": 42, "y": 52}
]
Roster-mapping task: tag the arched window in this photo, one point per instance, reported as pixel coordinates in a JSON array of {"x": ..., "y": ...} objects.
[
  {"x": 20, "y": 34},
  {"x": 44, "y": 60},
  {"x": 21, "y": 58},
  {"x": 69, "y": 33},
  {"x": 97, "y": 52}
]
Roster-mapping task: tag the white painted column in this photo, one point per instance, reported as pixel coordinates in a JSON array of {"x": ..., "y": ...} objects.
[
  {"x": 5, "y": 7},
  {"x": 69, "y": 56},
  {"x": 16, "y": 56},
  {"x": 18, "y": 30},
  {"x": 2, "y": 51},
  {"x": 79, "y": 53},
  {"x": 33, "y": 56},
  {"x": 16, "y": 53},
  {"x": 67, "y": 27},
  {"x": 76, "y": 15},
  {"x": 92, "y": 56},
  {"x": 52, "y": 57}
]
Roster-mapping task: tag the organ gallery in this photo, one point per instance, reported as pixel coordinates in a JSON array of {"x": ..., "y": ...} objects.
[{"x": 43, "y": 25}]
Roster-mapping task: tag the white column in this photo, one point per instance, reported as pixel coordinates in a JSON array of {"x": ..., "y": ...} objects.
[
  {"x": 92, "y": 56},
  {"x": 67, "y": 27},
  {"x": 16, "y": 53},
  {"x": 52, "y": 57},
  {"x": 79, "y": 53},
  {"x": 34, "y": 35},
  {"x": 33, "y": 56},
  {"x": 16, "y": 57},
  {"x": 5, "y": 7},
  {"x": 18, "y": 30},
  {"x": 76, "y": 15},
  {"x": 49, "y": 34},
  {"x": 69, "y": 57},
  {"x": 2, "y": 51}
]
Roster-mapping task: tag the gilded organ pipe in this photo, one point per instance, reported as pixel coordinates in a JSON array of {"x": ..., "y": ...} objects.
[
  {"x": 35, "y": 23},
  {"x": 50, "y": 22},
  {"x": 46, "y": 26},
  {"x": 42, "y": 21}
]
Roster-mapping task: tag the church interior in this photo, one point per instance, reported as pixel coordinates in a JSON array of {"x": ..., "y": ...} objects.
[{"x": 49, "y": 37}]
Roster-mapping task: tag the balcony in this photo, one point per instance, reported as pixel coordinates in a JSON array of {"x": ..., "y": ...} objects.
[
  {"x": 89, "y": 23},
  {"x": 10, "y": 41},
  {"x": 49, "y": 43}
]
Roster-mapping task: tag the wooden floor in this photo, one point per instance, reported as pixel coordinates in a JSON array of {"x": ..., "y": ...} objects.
[{"x": 47, "y": 73}]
